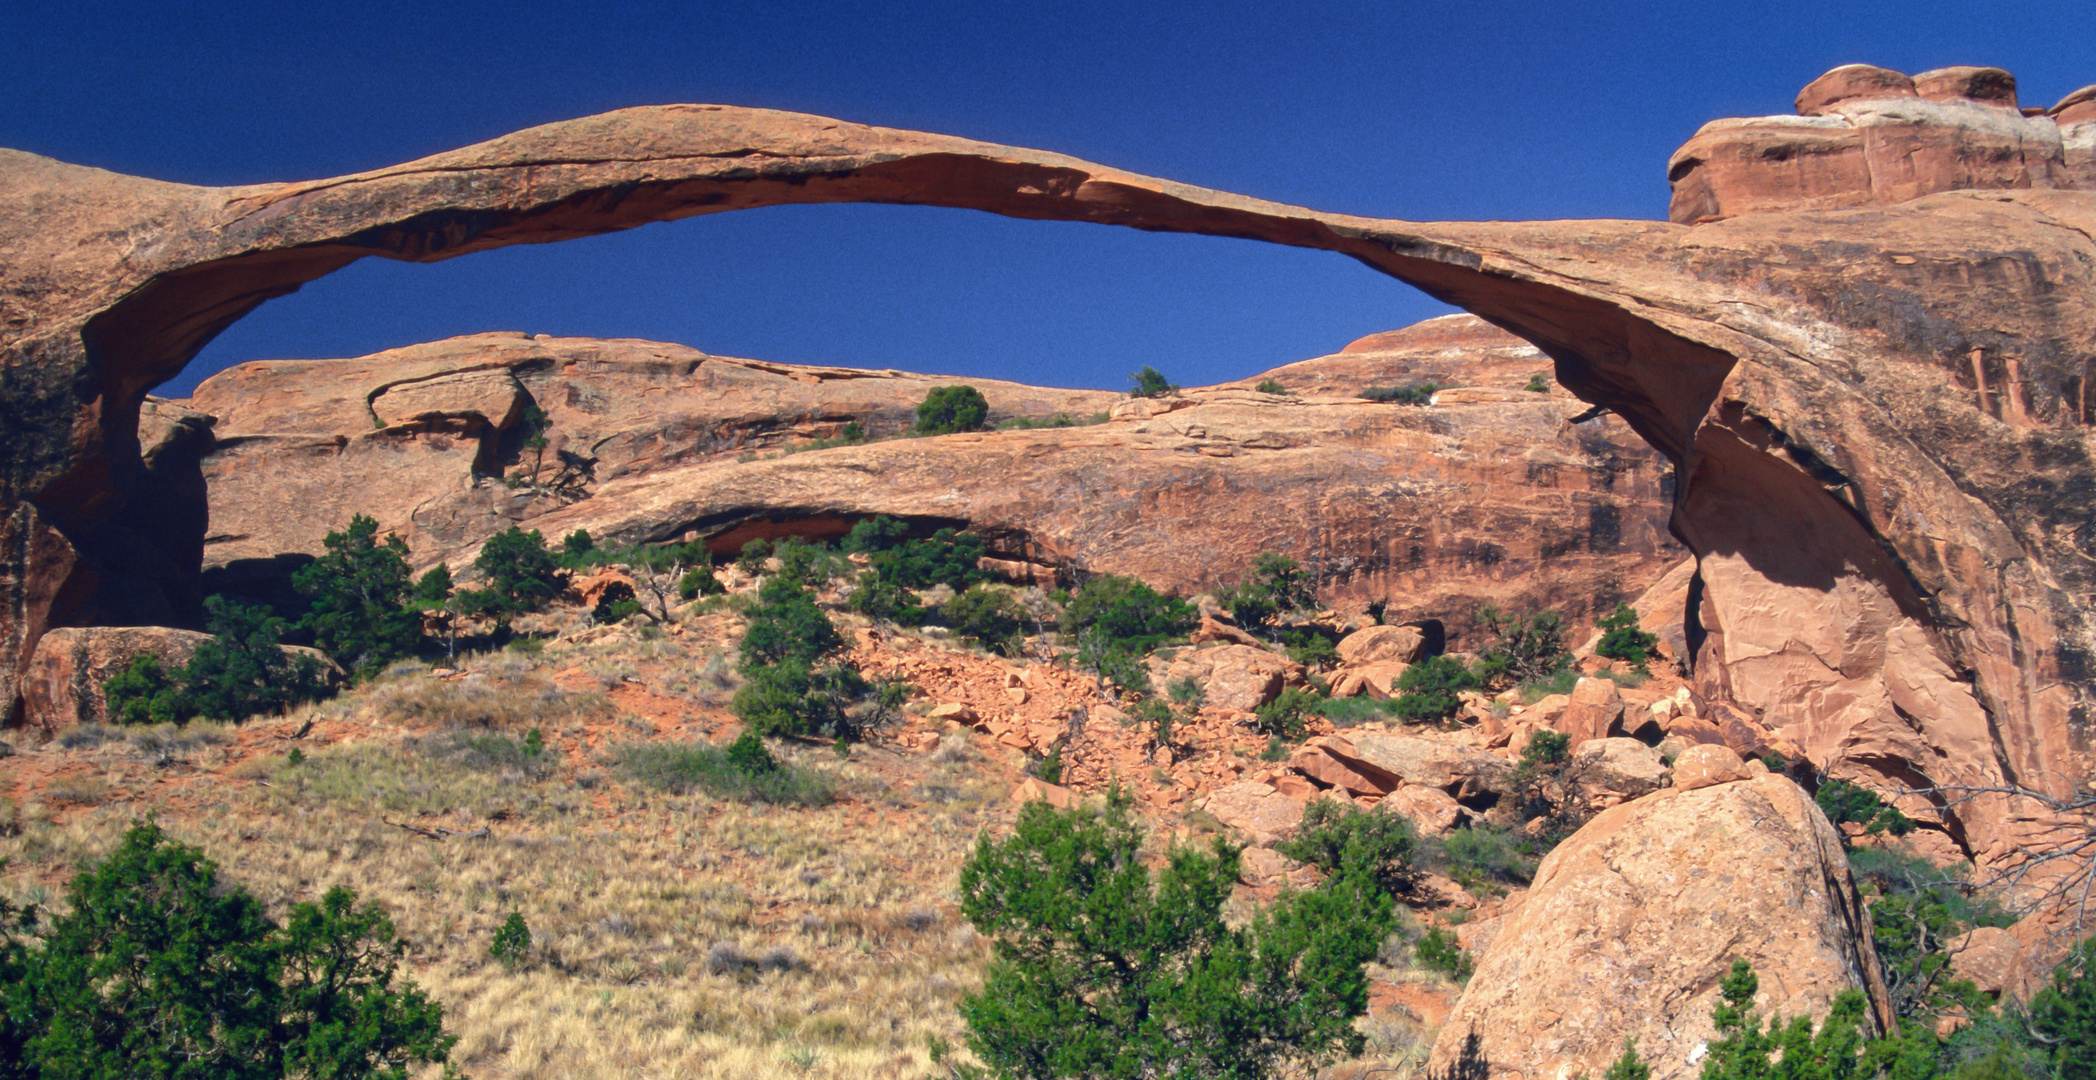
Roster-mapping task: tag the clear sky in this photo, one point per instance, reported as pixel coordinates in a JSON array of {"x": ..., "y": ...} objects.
[{"x": 1425, "y": 111}]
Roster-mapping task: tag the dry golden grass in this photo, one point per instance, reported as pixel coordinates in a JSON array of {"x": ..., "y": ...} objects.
[
  {"x": 627, "y": 891},
  {"x": 673, "y": 935}
]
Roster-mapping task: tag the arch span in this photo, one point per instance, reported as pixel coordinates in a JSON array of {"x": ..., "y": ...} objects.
[{"x": 1907, "y": 593}]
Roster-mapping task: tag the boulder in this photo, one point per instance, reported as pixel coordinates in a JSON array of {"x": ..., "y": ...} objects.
[
  {"x": 1261, "y": 813},
  {"x": 1214, "y": 629},
  {"x": 1595, "y": 711},
  {"x": 1321, "y": 765},
  {"x": 1993, "y": 959},
  {"x": 1632, "y": 922},
  {"x": 1708, "y": 765},
  {"x": 1400, "y": 643},
  {"x": 1852, "y": 82},
  {"x": 1623, "y": 767},
  {"x": 1245, "y": 677},
  {"x": 1432, "y": 811},
  {"x": 1035, "y": 789},
  {"x": 1458, "y": 770},
  {"x": 1379, "y": 679},
  {"x": 65, "y": 677}
]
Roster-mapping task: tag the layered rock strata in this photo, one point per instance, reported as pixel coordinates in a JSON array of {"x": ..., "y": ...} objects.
[
  {"x": 1434, "y": 510},
  {"x": 1880, "y": 411}
]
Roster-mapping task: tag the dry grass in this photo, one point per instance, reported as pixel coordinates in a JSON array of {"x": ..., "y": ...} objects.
[
  {"x": 675, "y": 934},
  {"x": 627, "y": 893}
]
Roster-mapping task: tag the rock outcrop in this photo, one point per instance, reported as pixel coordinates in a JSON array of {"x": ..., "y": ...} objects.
[
  {"x": 1436, "y": 511},
  {"x": 1632, "y": 922},
  {"x": 1879, "y": 411},
  {"x": 1865, "y": 135}
]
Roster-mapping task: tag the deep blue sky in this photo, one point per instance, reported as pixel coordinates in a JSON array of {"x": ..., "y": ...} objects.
[{"x": 1425, "y": 111}]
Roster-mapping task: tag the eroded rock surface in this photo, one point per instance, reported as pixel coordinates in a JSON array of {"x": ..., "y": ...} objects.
[
  {"x": 1436, "y": 511},
  {"x": 1632, "y": 922}
]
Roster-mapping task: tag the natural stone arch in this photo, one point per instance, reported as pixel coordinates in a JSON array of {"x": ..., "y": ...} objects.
[{"x": 1781, "y": 360}]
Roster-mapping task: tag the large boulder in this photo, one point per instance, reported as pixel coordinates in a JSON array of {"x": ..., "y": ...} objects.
[
  {"x": 64, "y": 683},
  {"x": 1633, "y": 921},
  {"x": 1366, "y": 646},
  {"x": 1462, "y": 771},
  {"x": 1243, "y": 677},
  {"x": 1258, "y": 811}
]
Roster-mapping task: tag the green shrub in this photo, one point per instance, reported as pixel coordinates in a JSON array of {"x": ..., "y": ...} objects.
[
  {"x": 1438, "y": 952},
  {"x": 1130, "y": 615},
  {"x": 1119, "y": 666},
  {"x": 1336, "y": 837},
  {"x": 785, "y": 624},
  {"x": 1360, "y": 709},
  {"x": 1484, "y": 856},
  {"x": 1418, "y": 393},
  {"x": 1097, "y": 969},
  {"x": 1526, "y": 647},
  {"x": 700, "y": 581},
  {"x": 615, "y": 604},
  {"x": 1271, "y": 386},
  {"x": 948, "y": 409},
  {"x": 878, "y": 533},
  {"x": 1059, "y": 420},
  {"x": 990, "y": 616},
  {"x": 144, "y": 692},
  {"x": 1050, "y": 767},
  {"x": 945, "y": 558},
  {"x": 521, "y": 574},
  {"x": 243, "y": 671},
  {"x": 1844, "y": 802},
  {"x": 162, "y": 969},
  {"x": 877, "y": 597},
  {"x": 1285, "y": 716},
  {"x": 1427, "y": 690},
  {"x": 1275, "y": 586},
  {"x": 1538, "y": 383},
  {"x": 1621, "y": 639},
  {"x": 722, "y": 772},
  {"x": 2063, "y": 1015},
  {"x": 512, "y": 941},
  {"x": 753, "y": 555},
  {"x": 794, "y": 697},
  {"x": 1150, "y": 383},
  {"x": 359, "y": 592}
]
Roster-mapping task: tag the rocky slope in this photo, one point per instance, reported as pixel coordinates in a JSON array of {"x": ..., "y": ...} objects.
[
  {"x": 1490, "y": 496},
  {"x": 1879, "y": 411}
]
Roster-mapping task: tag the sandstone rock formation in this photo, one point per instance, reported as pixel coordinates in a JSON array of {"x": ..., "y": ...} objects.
[
  {"x": 1632, "y": 922},
  {"x": 1879, "y": 409},
  {"x": 1437, "y": 511},
  {"x": 1865, "y": 135}
]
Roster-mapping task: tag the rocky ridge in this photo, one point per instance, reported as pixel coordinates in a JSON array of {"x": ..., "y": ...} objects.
[{"x": 1490, "y": 496}]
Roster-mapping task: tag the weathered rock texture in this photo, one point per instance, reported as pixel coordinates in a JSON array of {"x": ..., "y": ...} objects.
[
  {"x": 1436, "y": 511},
  {"x": 1864, "y": 135},
  {"x": 1632, "y": 922},
  {"x": 1880, "y": 411}
]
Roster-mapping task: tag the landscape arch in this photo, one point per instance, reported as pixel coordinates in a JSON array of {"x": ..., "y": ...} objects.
[{"x": 1755, "y": 353}]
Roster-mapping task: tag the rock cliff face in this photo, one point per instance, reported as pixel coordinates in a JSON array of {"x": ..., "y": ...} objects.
[
  {"x": 1437, "y": 510},
  {"x": 1880, "y": 410}
]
